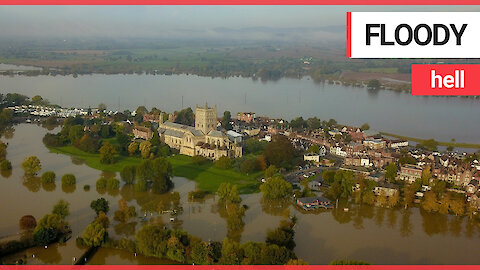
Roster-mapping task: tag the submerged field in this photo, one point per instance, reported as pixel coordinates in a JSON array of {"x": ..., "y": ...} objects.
[{"x": 207, "y": 176}]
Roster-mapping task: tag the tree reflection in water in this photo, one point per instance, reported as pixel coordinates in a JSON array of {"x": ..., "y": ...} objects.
[
  {"x": 6, "y": 173},
  {"x": 32, "y": 183},
  {"x": 279, "y": 207},
  {"x": 49, "y": 187}
]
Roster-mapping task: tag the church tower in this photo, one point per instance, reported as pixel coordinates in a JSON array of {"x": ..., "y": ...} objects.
[{"x": 206, "y": 118}]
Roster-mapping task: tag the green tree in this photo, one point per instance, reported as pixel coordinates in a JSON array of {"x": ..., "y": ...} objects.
[
  {"x": 61, "y": 209},
  {"x": 314, "y": 123},
  {"x": 133, "y": 148},
  {"x": 224, "y": 163},
  {"x": 69, "y": 180},
  {"x": 151, "y": 240},
  {"x": 128, "y": 174},
  {"x": 75, "y": 132},
  {"x": 365, "y": 126},
  {"x": 145, "y": 149},
  {"x": 100, "y": 205},
  {"x": 279, "y": 152},
  {"x": 276, "y": 188},
  {"x": 3, "y": 150},
  {"x": 5, "y": 165},
  {"x": 374, "y": 84},
  {"x": 227, "y": 118},
  {"x": 31, "y": 165},
  {"x": 48, "y": 177},
  {"x": 248, "y": 166},
  {"x": 200, "y": 253},
  {"x": 94, "y": 235},
  {"x": 231, "y": 252},
  {"x": 391, "y": 172},
  {"x": 185, "y": 117},
  {"x": 107, "y": 153},
  {"x": 283, "y": 236},
  {"x": 228, "y": 193},
  {"x": 270, "y": 171},
  {"x": 313, "y": 149}
]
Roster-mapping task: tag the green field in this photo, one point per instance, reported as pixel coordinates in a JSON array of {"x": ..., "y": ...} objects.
[{"x": 207, "y": 175}]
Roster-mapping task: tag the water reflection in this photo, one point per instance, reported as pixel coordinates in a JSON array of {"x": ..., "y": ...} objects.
[
  {"x": 32, "y": 183},
  {"x": 363, "y": 232},
  {"x": 6, "y": 173}
]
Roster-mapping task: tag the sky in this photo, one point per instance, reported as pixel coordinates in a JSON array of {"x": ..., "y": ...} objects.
[{"x": 242, "y": 22}]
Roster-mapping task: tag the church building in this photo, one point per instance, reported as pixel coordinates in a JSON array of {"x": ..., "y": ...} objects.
[{"x": 202, "y": 139}]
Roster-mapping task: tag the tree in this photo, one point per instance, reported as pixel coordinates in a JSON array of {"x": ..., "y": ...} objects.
[
  {"x": 128, "y": 174},
  {"x": 88, "y": 144},
  {"x": 248, "y": 166},
  {"x": 61, "y": 209},
  {"x": 282, "y": 236},
  {"x": 107, "y": 153},
  {"x": 348, "y": 262},
  {"x": 37, "y": 100},
  {"x": 155, "y": 140},
  {"x": 27, "y": 222},
  {"x": 185, "y": 117},
  {"x": 69, "y": 180},
  {"x": 374, "y": 84},
  {"x": 365, "y": 126},
  {"x": 279, "y": 152},
  {"x": 200, "y": 252},
  {"x": 31, "y": 165},
  {"x": 228, "y": 193},
  {"x": 276, "y": 188},
  {"x": 328, "y": 176},
  {"x": 132, "y": 148},
  {"x": 298, "y": 123},
  {"x": 391, "y": 172},
  {"x": 100, "y": 205},
  {"x": 430, "y": 202},
  {"x": 426, "y": 175},
  {"x": 94, "y": 235},
  {"x": 231, "y": 252},
  {"x": 145, "y": 148},
  {"x": 198, "y": 160},
  {"x": 224, "y": 163},
  {"x": 270, "y": 171},
  {"x": 3, "y": 150},
  {"x": 313, "y": 149},
  {"x": 151, "y": 240},
  {"x": 48, "y": 177},
  {"x": 5, "y": 165},
  {"x": 314, "y": 123},
  {"x": 457, "y": 206},
  {"x": 227, "y": 118},
  {"x": 102, "y": 107},
  {"x": 75, "y": 132}
]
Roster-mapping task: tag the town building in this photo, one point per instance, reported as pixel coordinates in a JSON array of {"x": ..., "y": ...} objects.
[
  {"x": 141, "y": 132},
  {"x": 203, "y": 139},
  {"x": 246, "y": 116},
  {"x": 410, "y": 173}
]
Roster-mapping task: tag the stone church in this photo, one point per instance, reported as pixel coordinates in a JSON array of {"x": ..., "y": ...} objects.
[{"x": 203, "y": 139}]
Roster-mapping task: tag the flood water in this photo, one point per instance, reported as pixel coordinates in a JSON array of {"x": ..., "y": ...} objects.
[
  {"x": 401, "y": 113},
  {"x": 376, "y": 235}
]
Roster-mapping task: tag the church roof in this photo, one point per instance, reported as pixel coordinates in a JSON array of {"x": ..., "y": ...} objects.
[
  {"x": 173, "y": 133},
  {"x": 185, "y": 128},
  {"x": 216, "y": 133}
]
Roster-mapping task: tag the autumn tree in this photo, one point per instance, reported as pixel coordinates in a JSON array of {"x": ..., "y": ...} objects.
[
  {"x": 107, "y": 153},
  {"x": 31, "y": 165}
]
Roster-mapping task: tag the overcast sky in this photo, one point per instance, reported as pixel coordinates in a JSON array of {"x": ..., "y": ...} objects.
[{"x": 184, "y": 21}]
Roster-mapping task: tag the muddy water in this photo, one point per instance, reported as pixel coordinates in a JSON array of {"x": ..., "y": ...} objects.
[{"x": 376, "y": 235}]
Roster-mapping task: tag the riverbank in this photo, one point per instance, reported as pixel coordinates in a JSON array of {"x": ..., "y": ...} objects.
[
  {"x": 207, "y": 176},
  {"x": 447, "y": 144}
]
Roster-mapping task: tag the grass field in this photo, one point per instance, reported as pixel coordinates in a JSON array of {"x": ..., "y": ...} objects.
[
  {"x": 454, "y": 144},
  {"x": 206, "y": 175}
]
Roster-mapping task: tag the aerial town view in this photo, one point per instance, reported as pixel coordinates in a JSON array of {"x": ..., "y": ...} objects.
[{"x": 224, "y": 136}]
